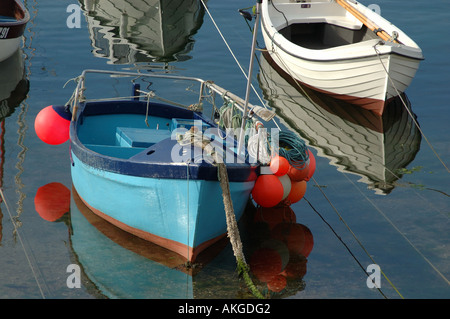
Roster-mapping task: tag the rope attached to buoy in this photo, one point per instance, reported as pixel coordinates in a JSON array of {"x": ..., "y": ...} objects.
[{"x": 291, "y": 147}]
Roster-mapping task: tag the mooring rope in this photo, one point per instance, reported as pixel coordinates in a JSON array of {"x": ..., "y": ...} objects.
[
  {"x": 233, "y": 230},
  {"x": 197, "y": 139},
  {"x": 345, "y": 245},
  {"x": 323, "y": 193},
  {"x": 16, "y": 230},
  {"x": 401, "y": 234},
  {"x": 407, "y": 109},
  {"x": 354, "y": 236},
  {"x": 234, "y": 56},
  {"x": 396, "y": 228}
]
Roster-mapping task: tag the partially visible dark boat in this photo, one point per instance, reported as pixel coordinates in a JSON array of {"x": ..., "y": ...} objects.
[{"x": 13, "y": 20}]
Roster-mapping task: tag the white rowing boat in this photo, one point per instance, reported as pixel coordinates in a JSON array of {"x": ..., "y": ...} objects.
[{"x": 340, "y": 47}]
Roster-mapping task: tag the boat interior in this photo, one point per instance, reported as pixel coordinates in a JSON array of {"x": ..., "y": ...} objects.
[
  {"x": 317, "y": 24},
  {"x": 322, "y": 35},
  {"x": 10, "y": 12},
  {"x": 128, "y": 131}
]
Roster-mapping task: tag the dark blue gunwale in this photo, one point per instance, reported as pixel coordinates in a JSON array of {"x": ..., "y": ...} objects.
[{"x": 155, "y": 161}]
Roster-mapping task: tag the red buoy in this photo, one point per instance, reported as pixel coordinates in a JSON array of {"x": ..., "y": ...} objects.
[
  {"x": 52, "y": 124},
  {"x": 52, "y": 201},
  {"x": 279, "y": 165},
  {"x": 300, "y": 172},
  {"x": 268, "y": 191}
]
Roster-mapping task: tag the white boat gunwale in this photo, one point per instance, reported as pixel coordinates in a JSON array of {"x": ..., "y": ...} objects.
[{"x": 384, "y": 48}]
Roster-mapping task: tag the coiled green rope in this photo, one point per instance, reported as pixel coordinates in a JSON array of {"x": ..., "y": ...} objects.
[{"x": 291, "y": 147}]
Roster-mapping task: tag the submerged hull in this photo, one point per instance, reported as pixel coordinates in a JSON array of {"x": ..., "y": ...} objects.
[
  {"x": 13, "y": 19},
  {"x": 324, "y": 47},
  {"x": 140, "y": 189}
]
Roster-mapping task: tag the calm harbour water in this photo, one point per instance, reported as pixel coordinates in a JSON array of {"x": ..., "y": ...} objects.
[{"x": 405, "y": 231}]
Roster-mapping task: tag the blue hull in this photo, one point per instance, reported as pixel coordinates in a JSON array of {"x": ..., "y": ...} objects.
[
  {"x": 138, "y": 188},
  {"x": 184, "y": 216}
]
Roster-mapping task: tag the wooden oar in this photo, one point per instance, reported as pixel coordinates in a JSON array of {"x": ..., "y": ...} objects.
[{"x": 366, "y": 21}]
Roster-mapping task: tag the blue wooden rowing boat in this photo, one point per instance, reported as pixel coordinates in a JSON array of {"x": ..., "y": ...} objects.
[{"x": 130, "y": 167}]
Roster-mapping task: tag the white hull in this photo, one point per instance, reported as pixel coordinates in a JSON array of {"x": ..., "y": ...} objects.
[
  {"x": 354, "y": 140},
  {"x": 364, "y": 73},
  {"x": 8, "y": 47}
]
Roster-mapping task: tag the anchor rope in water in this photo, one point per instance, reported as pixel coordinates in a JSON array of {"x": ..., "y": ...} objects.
[
  {"x": 394, "y": 174},
  {"x": 402, "y": 234},
  {"x": 409, "y": 112},
  {"x": 341, "y": 240},
  {"x": 234, "y": 56},
  {"x": 232, "y": 53},
  {"x": 16, "y": 230},
  {"x": 354, "y": 236},
  {"x": 334, "y": 208},
  {"x": 197, "y": 139}
]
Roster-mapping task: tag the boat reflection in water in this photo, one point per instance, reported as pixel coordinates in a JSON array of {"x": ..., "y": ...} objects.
[
  {"x": 14, "y": 84},
  {"x": 356, "y": 141},
  {"x": 116, "y": 264},
  {"x": 14, "y": 87},
  {"x": 132, "y": 31},
  {"x": 277, "y": 249}
]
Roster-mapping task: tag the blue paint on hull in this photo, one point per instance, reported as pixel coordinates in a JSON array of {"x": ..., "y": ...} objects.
[
  {"x": 189, "y": 212},
  {"x": 125, "y": 172}
]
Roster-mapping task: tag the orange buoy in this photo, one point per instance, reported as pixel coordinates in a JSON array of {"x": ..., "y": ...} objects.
[
  {"x": 312, "y": 165},
  {"x": 52, "y": 201},
  {"x": 268, "y": 191},
  {"x": 298, "y": 190},
  {"x": 299, "y": 172},
  {"x": 279, "y": 165},
  {"x": 52, "y": 124}
]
